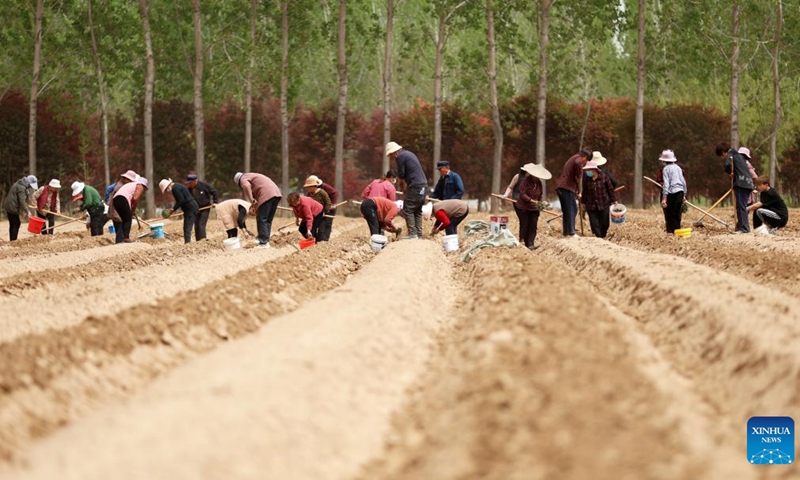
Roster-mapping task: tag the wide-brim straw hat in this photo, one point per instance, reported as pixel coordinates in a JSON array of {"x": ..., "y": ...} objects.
[
  {"x": 54, "y": 183},
  {"x": 312, "y": 181},
  {"x": 598, "y": 158},
  {"x": 590, "y": 165},
  {"x": 392, "y": 147},
  {"x": 668, "y": 156},
  {"x": 164, "y": 183},
  {"x": 537, "y": 171}
]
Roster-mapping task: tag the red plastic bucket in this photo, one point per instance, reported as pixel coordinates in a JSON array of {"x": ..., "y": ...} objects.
[
  {"x": 35, "y": 225},
  {"x": 308, "y": 242}
]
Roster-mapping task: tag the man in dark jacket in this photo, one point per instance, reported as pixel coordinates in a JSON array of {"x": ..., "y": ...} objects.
[
  {"x": 183, "y": 201},
  {"x": 205, "y": 195},
  {"x": 449, "y": 186},
  {"x": 410, "y": 172},
  {"x": 327, "y": 221},
  {"x": 16, "y": 203},
  {"x": 736, "y": 167}
]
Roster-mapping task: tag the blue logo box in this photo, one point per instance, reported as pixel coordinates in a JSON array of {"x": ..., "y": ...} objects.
[{"x": 770, "y": 440}]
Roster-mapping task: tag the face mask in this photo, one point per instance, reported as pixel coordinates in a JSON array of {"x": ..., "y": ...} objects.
[
  {"x": 590, "y": 174},
  {"x": 169, "y": 190}
]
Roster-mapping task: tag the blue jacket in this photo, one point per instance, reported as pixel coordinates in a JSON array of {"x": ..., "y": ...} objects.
[{"x": 449, "y": 187}]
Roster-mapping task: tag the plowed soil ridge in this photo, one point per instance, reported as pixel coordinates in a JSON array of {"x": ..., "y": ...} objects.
[
  {"x": 308, "y": 397},
  {"x": 53, "y": 378}
]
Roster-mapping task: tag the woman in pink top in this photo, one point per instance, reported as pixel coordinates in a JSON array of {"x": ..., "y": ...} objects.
[
  {"x": 382, "y": 187},
  {"x": 307, "y": 211},
  {"x": 125, "y": 202}
]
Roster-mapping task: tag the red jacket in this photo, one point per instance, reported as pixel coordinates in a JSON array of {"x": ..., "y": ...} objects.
[{"x": 307, "y": 209}]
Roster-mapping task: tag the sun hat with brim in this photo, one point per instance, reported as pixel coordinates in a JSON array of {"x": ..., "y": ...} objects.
[
  {"x": 745, "y": 152},
  {"x": 668, "y": 156},
  {"x": 237, "y": 177},
  {"x": 164, "y": 183},
  {"x": 590, "y": 165},
  {"x": 598, "y": 158},
  {"x": 537, "y": 171},
  {"x": 392, "y": 147},
  {"x": 54, "y": 184},
  {"x": 77, "y": 188},
  {"x": 130, "y": 175},
  {"x": 312, "y": 181},
  {"x": 142, "y": 181}
]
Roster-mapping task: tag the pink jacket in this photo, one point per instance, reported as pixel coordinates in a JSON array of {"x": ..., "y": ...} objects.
[
  {"x": 380, "y": 188},
  {"x": 307, "y": 210},
  {"x": 258, "y": 188}
]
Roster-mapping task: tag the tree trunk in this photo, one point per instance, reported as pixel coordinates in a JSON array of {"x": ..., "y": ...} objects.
[
  {"x": 776, "y": 89},
  {"x": 638, "y": 191},
  {"x": 200, "y": 160},
  {"x": 342, "y": 104},
  {"x": 387, "y": 86},
  {"x": 144, "y": 8},
  {"x": 735, "y": 77},
  {"x": 437, "y": 95},
  {"x": 285, "y": 97},
  {"x": 497, "y": 127},
  {"x": 103, "y": 97},
  {"x": 248, "y": 116},
  {"x": 37, "y": 52},
  {"x": 541, "y": 94}
]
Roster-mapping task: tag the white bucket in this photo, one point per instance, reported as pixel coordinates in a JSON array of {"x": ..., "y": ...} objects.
[
  {"x": 450, "y": 243},
  {"x": 618, "y": 212},
  {"x": 377, "y": 242},
  {"x": 232, "y": 243}
]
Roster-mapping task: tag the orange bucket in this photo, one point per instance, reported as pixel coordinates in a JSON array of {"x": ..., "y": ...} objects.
[
  {"x": 35, "y": 225},
  {"x": 308, "y": 242}
]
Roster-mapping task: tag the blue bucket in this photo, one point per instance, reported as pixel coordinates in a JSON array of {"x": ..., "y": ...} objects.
[{"x": 158, "y": 230}]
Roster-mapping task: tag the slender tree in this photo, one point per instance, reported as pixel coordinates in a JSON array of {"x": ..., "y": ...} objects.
[
  {"x": 285, "y": 95},
  {"x": 638, "y": 192},
  {"x": 497, "y": 128},
  {"x": 103, "y": 96},
  {"x": 200, "y": 165},
  {"x": 37, "y": 52},
  {"x": 144, "y": 9},
  {"x": 341, "y": 108},
  {"x": 735, "y": 75},
  {"x": 776, "y": 91},
  {"x": 445, "y": 15},
  {"x": 248, "y": 121},
  {"x": 541, "y": 92},
  {"x": 387, "y": 83}
]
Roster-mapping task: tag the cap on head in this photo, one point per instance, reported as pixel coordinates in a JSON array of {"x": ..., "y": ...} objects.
[
  {"x": 32, "y": 181},
  {"x": 77, "y": 188},
  {"x": 668, "y": 156},
  {"x": 312, "y": 181},
  {"x": 443, "y": 164},
  {"x": 142, "y": 181},
  {"x": 392, "y": 147},
  {"x": 164, "y": 184},
  {"x": 745, "y": 152},
  {"x": 191, "y": 176},
  {"x": 237, "y": 177}
]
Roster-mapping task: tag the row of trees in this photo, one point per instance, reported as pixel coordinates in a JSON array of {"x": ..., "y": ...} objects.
[{"x": 115, "y": 59}]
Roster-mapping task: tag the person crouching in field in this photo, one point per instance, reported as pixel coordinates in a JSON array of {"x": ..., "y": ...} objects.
[
  {"x": 597, "y": 197},
  {"x": 527, "y": 206},
  {"x": 184, "y": 201},
  {"x": 448, "y": 214},
  {"x": 673, "y": 191},
  {"x": 379, "y": 213},
  {"x": 308, "y": 214},
  {"x": 313, "y": 188},
  {"x": 770, "y": 211},
  {"x": 232, "y": 214}
]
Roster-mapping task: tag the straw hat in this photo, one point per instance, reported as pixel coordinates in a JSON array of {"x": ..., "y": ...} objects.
[
  {"x": 537, "y": 171},
  {"x": 77, "y": 188},
  {"x": 54, "y": 183},
  {"x": 392, "y": 147},
  {"x": 745, "y": 152},
  {"x": 237, "y": 177},
  {"x": 668, "y": 156},
  {"x": 427, "y": 210},
  {"x": 312, "y": 181},
  {"x": 590, "y": 165},
  {"x": 164, "y": 183},
  {"x": 130, "y": 175},
  {"x": 598, "y": 158}
]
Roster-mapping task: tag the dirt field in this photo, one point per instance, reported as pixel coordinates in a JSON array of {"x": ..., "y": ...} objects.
[{"x": 637, "y": 357}]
